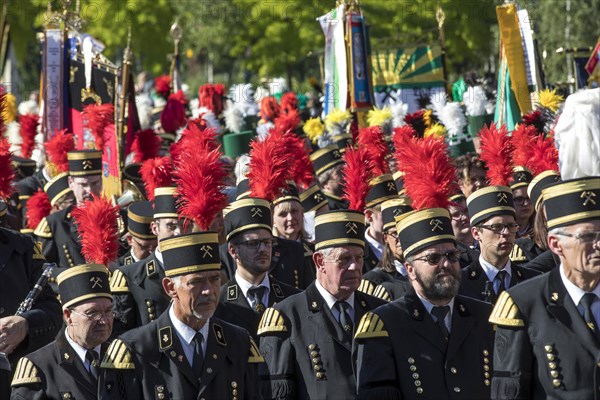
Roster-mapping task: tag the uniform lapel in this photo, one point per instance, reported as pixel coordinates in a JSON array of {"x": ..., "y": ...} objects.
[
  {"x": 477, "y": 279},
  {"x": 72, "y": 364},
  {"x": 422, "y": 323},
  {"x": 321, "y": 315},
  {"x": 170, "y": 346},
  {"x": 214, "y": 357},
  {"x": 462, "y": 323},
  {"x": 237, "y": 303}
]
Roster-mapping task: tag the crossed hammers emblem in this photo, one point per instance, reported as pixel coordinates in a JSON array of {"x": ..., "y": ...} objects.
[
  {"x": 87, "y": 164},
  {"x": 336, "y": 154},
  {"x": 206, "y": 251},
  {"x": 437, "y": 224},
  {"x": 256, "y": 212},
  {"x": 96, "y": 281},
  {"x": 502, "y": 198},
  {"x": 318, "y": 197},
  {"x": 397, "y": 212},
  {"x": 521, "y": 177},
  {"x": 391, "y": 187},
  {"x": 588, "y": 197},
  {"x": 351, "y": 227}
]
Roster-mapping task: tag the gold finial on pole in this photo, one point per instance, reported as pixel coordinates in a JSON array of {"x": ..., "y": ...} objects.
[{"x": 440, "y": 16}]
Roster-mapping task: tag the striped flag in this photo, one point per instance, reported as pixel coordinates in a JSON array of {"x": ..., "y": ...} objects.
[{"x": 335, "y": 64}]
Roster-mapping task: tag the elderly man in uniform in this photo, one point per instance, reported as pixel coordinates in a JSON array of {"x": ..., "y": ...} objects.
[
  {"x": 547, "y": 337},
  {"x": 68, "y": 367},
  {"x": 307, "y": 338},
  {"x": 431, "y": 343},
  {"x": 186, "y": 353}
]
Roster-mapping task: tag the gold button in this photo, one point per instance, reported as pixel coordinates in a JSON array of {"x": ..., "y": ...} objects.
[
  {"x": 315, "y": 360},
  {"x": 161, "y": 396},
  {"x": 160, "y": 389},
  {"x": 417, "y": 383},
  {"x": 552, "y": 365},
  {"x": 415, "y": 376},
  {"x": 148, "y": 303},
  {"x": 486, "y": 360},
  {"x": 151, "y": 316},
  {"x": 312, "y": 347},
  {"x": 556, "y": 382},
  {"x": 486, "y": 374},
  {"x": 413, "y": 368},
  {"x": 550, "y": 357},
  {"x": 234, "y": 398},
  {"x": 548, "y": 348},
  {"x": 150, "y": 309},
  {"x": 411, "y": 360},
  {"x": 234, "y": 392},
  {"x": 314, "y": 354},
  {"x": 487, "y": 382},
  {"x": 598, "y": 365},
  {"x": 457, "y": 389},
  {"x": 234, "y": 384},
  {"x": 485, "y": 353},
  {"x": 317, "y": 367},
  {"x": 419, "y": 390},
  {"x": 214, "y": 356},
  {"x": 172, "y": 353},
  {"x": 319, "y": 375},
  {"x": 554, "y": 373},
  {"x": 453, "y": 370},
  {"x": 67, "y": 395},
  {"x": 486, "y": 367}
]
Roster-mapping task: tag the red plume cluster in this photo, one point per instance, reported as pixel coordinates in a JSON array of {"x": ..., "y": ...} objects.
[
  {"x": 172, "y": 116},
  {"x": 428, "y": 172},
  {"x": 357, "y": 174},
  {"x": 544, "y": 155},
  {"x": 496, "y": 151},
  {"x": 301, "y": 169},
  {"x": 288, "y": 122},
  {"x": 211, "y": 96},
  {"x": 522, "y": 139},
  {"x": 400, "y": 137},
  {"x": 7, "y": 173},
  {"x": 38, "y": 208},
  {"x": 58, "y": 147},
  {"x": 162, "y": 85},
  {"x": 269, "y": 108},
  {"x": 373, "y": 141},
  {"x": 99, "y": 117},
  {"x": 146, "y": 144},
  {"x": 2, "y": 108},
  {"x": 354, "y": 129},
  {"x": 269, "y": 166},
  {"x": 417, "y": 121},
  {"x": 195, "y": 135},
  {"x": 97, "y": 226},
  {"x": 534, "y": 118},
  {"x": 156, "y": 172},
  {"x": 289, "y": 102},
  {"x": 28, "y": 124}
]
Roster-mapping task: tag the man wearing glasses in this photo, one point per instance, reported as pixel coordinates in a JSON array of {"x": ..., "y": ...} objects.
[
  {"x": 140, "y": 237},
  {"x": 493, "y": 225},
  {"x": 307, "y": 339},
  {"x": 245, "y": 297},
  {"x": 547, "y": 337},
  {"x": 138, "y": 291},
  {"x": 431, "y": 343},
  {"x": 68, "y": 367}
]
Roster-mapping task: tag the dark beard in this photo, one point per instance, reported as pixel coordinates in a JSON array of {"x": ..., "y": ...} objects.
[{"x": 434, "y": 289}]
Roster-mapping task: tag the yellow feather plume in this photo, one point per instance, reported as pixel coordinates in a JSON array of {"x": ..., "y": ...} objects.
[
  {"x": 550, "y": 99},
  {"x": 10, "y": 109},
  {"x": 427, "y": 117},
  {"x": 337, "y": 118},
  {"x": 378, "y": 117},
  {"x": 314, "y": 128},
  {"x": 436, "y": 130}
]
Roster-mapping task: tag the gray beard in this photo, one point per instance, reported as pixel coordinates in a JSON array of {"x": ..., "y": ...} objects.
[{"x": 436, "y": 290}]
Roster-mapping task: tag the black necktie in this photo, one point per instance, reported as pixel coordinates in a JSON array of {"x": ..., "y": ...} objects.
[
  {"x": 92, "y": 357},
  {"x": 440, "y": 314},
  {"x": 586, "y": 302},
  {"x": 256, "y": 293},
  {"x": 198, "y": 359},
  {"x": 501, "y": 275},
  {"x": 345, "y": 319}
]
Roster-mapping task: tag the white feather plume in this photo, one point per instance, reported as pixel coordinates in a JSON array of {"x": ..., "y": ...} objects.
[
  {"x": 262, "y": 130},
  {"x": 211, "y": 121},
  {"x": 453, "y": 118},
  {"x": 144, "y": 109},
  {"x": 399, "y": 111},
  {"x": 14, "y": 137},
  {"x": 475, "y": 101},
  {"x": 234, "y": 119}
]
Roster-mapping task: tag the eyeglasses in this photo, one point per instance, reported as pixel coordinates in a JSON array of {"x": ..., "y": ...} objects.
[
  {"x": 458, "y": 215},
  {"x": 96, "y": 316},
  {"x": 499, "y": 228},
  {"x": 345, "y": 261},
  {"x": 255, "y": 243},
  {"x": 583, "y": 237},
  {"x": 521, "y": 200},
  {"x": 392, "y": 234},
  {"x": 435, "y": 258}
]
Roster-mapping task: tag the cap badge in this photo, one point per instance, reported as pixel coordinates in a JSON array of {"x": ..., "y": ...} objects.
[
  {"x": 256, "y": 212},
  {"x": 437, "y": 224},
  {"x": 87, "y": 164},
  {"x": 206, "y": 251},
  {"x": 521, "y": 177},
  {"x": 589, "y": 197},
  {"x": 352, "y": 227},
  {"x": 336, "y": 154},
  {"x": 397, "y": 212},
  {"x": 96, "y": 281},
  {"x": 391, "y": 187},
  {"x": 502, "y": 198},
  {"x": 318, "y": 197},
  {"x": 554, "y": 296}
]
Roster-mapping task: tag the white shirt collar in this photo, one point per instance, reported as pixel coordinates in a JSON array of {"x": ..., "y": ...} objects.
[
  {"x": 428, "y": 306},
  {"x": 400, "y": 268},
  {"x": 492, "y": 271},
  {"x": 159, "y": 257},
  {"x": 574, "y": 291},
  {"x": 374, "y": 244},
  {"x": 135, "y": 259},
  {"x": 328, "y": 297},
  {"x": 245, "y": 285},
  {"x": 79, "y": 350},
  {"x": 185, "y": 332}
]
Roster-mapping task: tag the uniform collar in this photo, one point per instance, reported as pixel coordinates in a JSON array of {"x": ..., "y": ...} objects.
[
  {"x": 79, "y": 350},
  {"x": 492, "y": 271},
  {"x": 159, "y": 257},
  {"x": 575, "y": 292},
  {"x": 376, "y": 247},
  {"x": 429, "y": 306},
  {"x": 245, "y": 285},
  {"x": 328, "y": 297},
  {"x": 185, "y": 332}
]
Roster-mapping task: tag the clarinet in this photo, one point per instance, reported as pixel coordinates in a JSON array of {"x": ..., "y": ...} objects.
[{"x": 37, "y": 289}]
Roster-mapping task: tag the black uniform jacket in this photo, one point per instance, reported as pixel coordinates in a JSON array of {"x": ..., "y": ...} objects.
[
  {"x": 149, "y": 363},
  {"x": 54, "y": 372},
  {"x": 308, "y": 354},
  {"x": 126, "y": 259},
  {"x": 467, "y": 254},
  {"x": 403, "y": 355},
  {"x": 235, "y": 309},
  {"x": 375, "y": 277},
  {"x": 394, "y": 289},
  {"x": 335, "y": 202},
  {"x": 545, "y": 262},
  {"x": 138, "y": 295},
  {"x": 21, "y": 263},
  {"x": 524, "y": 250},
  {"x": 475, "y": 283},
  {"x": 544, "y": 349},
  {"x": 287, "y": 263}
]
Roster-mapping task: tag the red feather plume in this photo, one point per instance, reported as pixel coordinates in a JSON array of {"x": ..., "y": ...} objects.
[
  {"x": 194, "y": 137},
  {"x": 58, "y": 147},
  {"x": 28, "y": 124},
  {"x": 288, "y": 122},
  {"x": 200, "y": 176},
  {"x": 544, "y": 155},
  {"x": 172, "y": 116},
  {"x": 268, "y": 167},
  {"x": 521, "y": 139},
  {"x": 496, "y": 151},
  {"x": 301, "y": 169},
  {"x": 146, "y": 144},
  {"x": 373, "y": 141},
  {"x": 400, "y": 137},
  {"x": 156, "y": 172},
  {"x": 38, "y": 208},
  {"x": 7, "y": 173},
  {"x": 211, "y": 97},
  {"x": 356, "y": 172},
  {"x": 417, "y": 121},
  {"x": 534, "y": 118},
  {"x": 162, "y": 85},
  {"x": 428, "y": 172},
  {"x": 98, "y": 118},
  {"x": 96, "y": 221},
  {"x": 269, "y": 109},
  {"x": 289, "y": 102},
  {"x": 2, "y": 108}
]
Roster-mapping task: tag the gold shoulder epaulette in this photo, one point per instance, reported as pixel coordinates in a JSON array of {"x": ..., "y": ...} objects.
[
  {"x": 382, "y": 293},
  {"x": 25, "y": 373},
  {"x": 255, "y": 356},
  {"x": 366, "y": 286},
  {"x": 516, "y": 254},
  {"x": 506, "y": 312},
  {"x": 118, "y": 283},
  {"x": 43, "y": 229},
  {"x": 118, "y": 356},
  {"x": 271, "y": 321},
  {"x": 37, "y": 251},
  {"x": 370, "y": 326}
]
